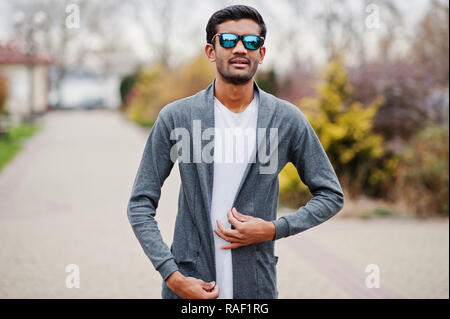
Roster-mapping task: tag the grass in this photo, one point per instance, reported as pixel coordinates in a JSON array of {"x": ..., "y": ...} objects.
[
  {"x": 380, "y": 212},
  {"x": 13, "y": 141}
]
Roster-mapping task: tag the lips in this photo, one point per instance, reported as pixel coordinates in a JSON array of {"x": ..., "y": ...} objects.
[{"x": 239, "y": 62}]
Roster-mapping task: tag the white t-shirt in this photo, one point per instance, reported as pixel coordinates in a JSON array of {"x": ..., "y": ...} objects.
[{"x": 234, "y": 142}]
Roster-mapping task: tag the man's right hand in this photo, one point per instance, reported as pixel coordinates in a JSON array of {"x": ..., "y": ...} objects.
[{"x": 191, "y": 288}]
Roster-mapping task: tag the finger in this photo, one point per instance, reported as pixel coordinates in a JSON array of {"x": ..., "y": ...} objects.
[
  {"x": 225, "y": 234},
  {"x": 239, "y": 216},
  {"x": 214, "y": 294},
  {"x": 233, "y": 245},
  {"x": 233, "y": 221},
  {"x": 225, "y": 237},
  {"x": 228, "y": 232},
  {"x": 208, "y": 285}
]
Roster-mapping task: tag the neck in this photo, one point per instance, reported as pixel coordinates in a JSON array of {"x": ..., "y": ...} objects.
[{"x": 235, "y": 97}]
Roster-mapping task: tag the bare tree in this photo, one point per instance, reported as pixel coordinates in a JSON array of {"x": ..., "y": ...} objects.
[
  {"x": 299, "y": 10},
  {"x": 394, "y": 27},
  {"x": 431, "y": 46},
  {"x": 156, "y": 20},
  {"x": 67, "y": 46}
]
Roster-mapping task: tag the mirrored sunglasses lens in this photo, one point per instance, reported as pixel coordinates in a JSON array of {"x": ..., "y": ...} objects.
[
  {"x": 252, "y": 42},
  {"x": 228, "y": 40}
]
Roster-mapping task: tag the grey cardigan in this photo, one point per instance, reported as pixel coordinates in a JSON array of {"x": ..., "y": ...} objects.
[{"x": 192, "y": 251}]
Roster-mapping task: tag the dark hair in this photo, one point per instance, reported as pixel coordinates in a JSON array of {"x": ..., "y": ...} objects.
[{"x": 234, "y": 12}]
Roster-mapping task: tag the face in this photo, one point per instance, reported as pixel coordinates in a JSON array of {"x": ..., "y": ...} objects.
[{"x": 236, "y": 65}]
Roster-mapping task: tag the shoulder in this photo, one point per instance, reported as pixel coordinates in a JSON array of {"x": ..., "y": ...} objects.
[
  {"x": 179, "y": 110},
  {"x": 287, "y": 112}
]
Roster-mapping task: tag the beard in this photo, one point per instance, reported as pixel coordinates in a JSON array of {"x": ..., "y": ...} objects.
[{"x": 236, "y": 76}]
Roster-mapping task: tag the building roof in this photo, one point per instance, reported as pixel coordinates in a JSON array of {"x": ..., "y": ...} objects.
[{"x": 11, "y": 54}]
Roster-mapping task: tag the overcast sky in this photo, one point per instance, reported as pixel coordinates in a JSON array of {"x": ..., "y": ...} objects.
[{"x": 191, "y": 17}]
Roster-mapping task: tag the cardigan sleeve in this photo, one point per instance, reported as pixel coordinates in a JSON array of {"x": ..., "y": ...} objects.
[
  {"x": 154, "y": 168},
  {"x": 316, "y": 172}
]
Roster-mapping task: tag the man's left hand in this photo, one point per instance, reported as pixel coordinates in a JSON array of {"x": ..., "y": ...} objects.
[{"x": 248, "y": 230}]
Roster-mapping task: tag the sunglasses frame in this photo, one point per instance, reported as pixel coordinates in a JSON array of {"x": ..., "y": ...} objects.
[{"x": 239, "y": 37}]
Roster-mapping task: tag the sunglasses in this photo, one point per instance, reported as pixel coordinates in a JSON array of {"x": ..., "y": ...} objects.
[{"x": 229, "y": 40}]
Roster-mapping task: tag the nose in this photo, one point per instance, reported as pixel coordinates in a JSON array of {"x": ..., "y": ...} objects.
[{"x": 239, "y": 47}]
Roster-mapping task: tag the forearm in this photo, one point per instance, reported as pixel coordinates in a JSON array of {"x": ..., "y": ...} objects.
[
  {"x": 317, "y": 173},
  {"x": 147, "y": 232},
  {"x": 319, "y": 209},
  {"x": 153, "y": 170}
]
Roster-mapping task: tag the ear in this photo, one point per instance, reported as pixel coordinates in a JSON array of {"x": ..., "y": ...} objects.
[
  {"x": 210, "y": 52},
  {"x": 262, "y": 54}
]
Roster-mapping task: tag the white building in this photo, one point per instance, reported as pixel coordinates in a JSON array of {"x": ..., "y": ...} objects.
[{"x": 28, "y": 82}]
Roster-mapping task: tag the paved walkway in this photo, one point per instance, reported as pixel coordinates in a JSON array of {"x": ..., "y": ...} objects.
[{"x": 63, "y": 201}]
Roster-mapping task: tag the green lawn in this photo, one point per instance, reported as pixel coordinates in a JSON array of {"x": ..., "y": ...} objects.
[{"x": 13, "y": 142}]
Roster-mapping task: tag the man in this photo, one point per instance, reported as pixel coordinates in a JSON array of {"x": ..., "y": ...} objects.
[{"x": 226, "y": 225}]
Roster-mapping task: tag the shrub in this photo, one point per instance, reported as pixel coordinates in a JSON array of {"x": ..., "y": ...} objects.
[
  {"x": 423, "y": 174},
  {"x": 160, "y": 85},
  {"x": 344, "y": 127},
  {"x": 3, "y": 94},
  {"x": 267, "y": 81},
  {"x": 126, "y": 86},
  {"x": 293, "y": 193}
]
